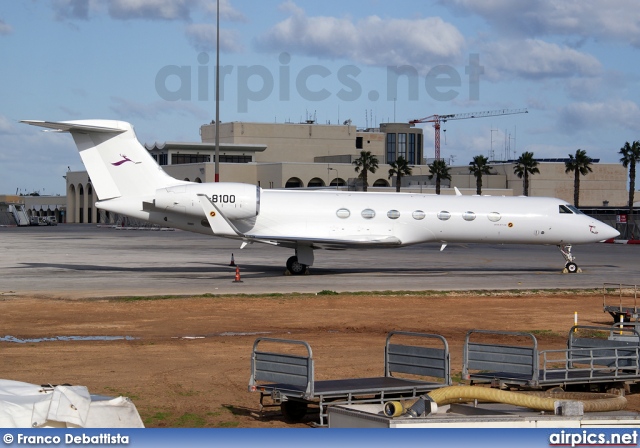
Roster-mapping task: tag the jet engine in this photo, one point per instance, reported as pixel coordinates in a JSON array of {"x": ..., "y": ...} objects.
[{"x": 234, "y": 200}]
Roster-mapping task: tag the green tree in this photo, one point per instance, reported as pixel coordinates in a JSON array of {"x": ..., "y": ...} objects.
[
  {"x": 399, "y": 168},
  {"x": 364, "y": 164},
  {"x": 580, "y": 164},
  {"x": 526, "y": 165},
  {"x": 479, "y": 167},
  {"x": 630, "y": 157},
  {"x": 440, "y": 170}
]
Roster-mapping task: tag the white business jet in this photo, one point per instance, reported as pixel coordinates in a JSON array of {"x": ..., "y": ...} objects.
[{"x": 128, "y": 181}]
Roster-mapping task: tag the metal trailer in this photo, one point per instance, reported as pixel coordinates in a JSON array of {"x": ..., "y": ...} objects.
[
  {"x": 589, "y": 360},
  {"x": 289, "y": 379},
  {"x": 621, "y": 301}
]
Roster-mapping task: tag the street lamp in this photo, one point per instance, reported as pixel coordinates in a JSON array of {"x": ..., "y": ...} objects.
[{"x": 337, "y": 176}]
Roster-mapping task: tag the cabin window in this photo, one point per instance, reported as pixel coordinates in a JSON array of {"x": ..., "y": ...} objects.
[
  {"x": 393, "y": 214},
  {"x": 468, "y": 216},
  {"x": 444, "y": 215},
  {"x": 418, "y": 214},
  {"x": 494, "y": 216},
  {"x": 343, "y": 213},
  {"x": 367, "y": 213},
  {"x": 565, "y": 209}
]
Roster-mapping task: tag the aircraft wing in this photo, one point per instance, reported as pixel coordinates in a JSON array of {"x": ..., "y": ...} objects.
[
  {"x": 358, "y": 241},
  {"x": 221, "y": 226}
]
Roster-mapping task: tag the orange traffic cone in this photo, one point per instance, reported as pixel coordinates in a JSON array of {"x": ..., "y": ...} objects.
[
  {"x": 237, "y": 280},
  {"x": 233, "y": 263}
]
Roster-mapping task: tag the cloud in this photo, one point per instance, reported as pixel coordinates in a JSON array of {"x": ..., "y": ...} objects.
[
  {"x": 151, "y": 111},
  {"x": 6, "y": 125},
  {"x": 536, "y": 59},
  {"x": 227, "y": 12},
  {"x": 74, "y": 9},
  {"x": 180, "y": 10},
  {"x": 372, "y": 40},
  {"x": 588, "y": 116},
  {"x": 34, "y": 160},
  {"x": 203, "y": 38},
  {"x": 5, "y": 29},
  {"x": 617, "y": 19},
  {"x": 151, "y": 9}
]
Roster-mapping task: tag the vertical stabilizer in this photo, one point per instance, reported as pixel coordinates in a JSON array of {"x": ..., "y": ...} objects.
[{"x": 118, "y": 165}]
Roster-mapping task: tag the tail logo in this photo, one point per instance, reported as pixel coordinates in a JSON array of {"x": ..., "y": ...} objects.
[
  {"x": 124, "y": 159},
  {"x": 593, "y": 229}
]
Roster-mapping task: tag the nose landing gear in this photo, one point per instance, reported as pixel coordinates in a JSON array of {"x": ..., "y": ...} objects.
[{"x": 570, "y": 266}]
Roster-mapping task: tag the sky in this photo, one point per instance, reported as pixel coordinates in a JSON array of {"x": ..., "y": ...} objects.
[{"x": 573, "y": 64}]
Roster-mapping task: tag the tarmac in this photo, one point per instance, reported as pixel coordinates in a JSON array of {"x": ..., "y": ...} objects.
[{"x": 84, "y": 260}]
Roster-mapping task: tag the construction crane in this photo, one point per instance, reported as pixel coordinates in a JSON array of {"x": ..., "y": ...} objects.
[{"x": 437, "y": 119}]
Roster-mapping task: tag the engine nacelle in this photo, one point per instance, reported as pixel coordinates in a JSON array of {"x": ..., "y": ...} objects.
[{"x": 234, "y": 200}]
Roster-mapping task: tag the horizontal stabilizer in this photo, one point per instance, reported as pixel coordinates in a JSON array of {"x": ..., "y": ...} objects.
[{"x": 69, "y": 126}]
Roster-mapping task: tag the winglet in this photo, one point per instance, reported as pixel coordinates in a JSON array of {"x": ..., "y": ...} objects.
[{"x": 457, "y": 191}]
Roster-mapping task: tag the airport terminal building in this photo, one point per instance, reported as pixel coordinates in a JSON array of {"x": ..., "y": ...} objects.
[{"x": 312, "y": 155}]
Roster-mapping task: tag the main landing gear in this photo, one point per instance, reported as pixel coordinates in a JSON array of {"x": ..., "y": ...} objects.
[
  {"x": 295, "y": 267},
  {"x": 570, "y": 266},
  {"x": 300, "y": 262}
]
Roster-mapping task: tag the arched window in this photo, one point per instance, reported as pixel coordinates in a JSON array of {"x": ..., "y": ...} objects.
[
  {"x": 316, "y": 182},
  {"x": 293, "y": 182},
  {"x": 381, "y": 183}
]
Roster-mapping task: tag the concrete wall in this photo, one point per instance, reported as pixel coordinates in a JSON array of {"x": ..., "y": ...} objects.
[
  {"x": 607, "y": 182},
  {"x": 291, "y": 142}
]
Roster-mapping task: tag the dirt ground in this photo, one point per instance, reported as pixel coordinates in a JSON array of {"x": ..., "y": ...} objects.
[{"x": 201, "y": 380}]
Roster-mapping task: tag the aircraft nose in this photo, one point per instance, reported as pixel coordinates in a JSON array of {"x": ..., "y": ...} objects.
[{"x": 607, "y": 232}]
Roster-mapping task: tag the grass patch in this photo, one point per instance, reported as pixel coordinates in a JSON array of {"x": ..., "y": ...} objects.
[
  {"x": 158, "y": 419},
  {"x": 115, "y": 392},
  {"x": 188, "y": 420},
  {"x": 327, "y": 292},
  {"x": 386, "y": 293},
  {"x": 549, "y": 333}
]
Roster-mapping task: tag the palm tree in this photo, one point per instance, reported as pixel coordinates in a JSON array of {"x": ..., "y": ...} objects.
[
  {"x": 399, "y": 168},
  {"x": 365, "y": 163},
  {"x": 526, "y": 165},
  {"x": 580, "y": 164},
  {"x": 479, "y": 167},
  {"x": 440, "y": 170},
  {"x": 630, "y": 156}
]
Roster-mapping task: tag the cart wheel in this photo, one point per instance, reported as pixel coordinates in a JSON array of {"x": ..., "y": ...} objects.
[{"x": 293, "y": 411}]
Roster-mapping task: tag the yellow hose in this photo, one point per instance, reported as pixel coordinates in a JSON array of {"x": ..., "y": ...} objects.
[{"x": 541, "y": 401}]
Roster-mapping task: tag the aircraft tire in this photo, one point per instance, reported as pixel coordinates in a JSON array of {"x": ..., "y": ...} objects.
[
  {"x": 295, "y": 267},
  {"x": 571, "y": 267}
]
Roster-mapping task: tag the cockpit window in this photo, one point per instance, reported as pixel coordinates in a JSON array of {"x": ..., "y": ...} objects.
[
  {"x": 570, "y": 209},
  {"x": 575, "y": 210}
]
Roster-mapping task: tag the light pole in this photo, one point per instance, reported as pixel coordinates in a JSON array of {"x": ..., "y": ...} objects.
[
  {"x": 216, "y": 156},
  {"x": 337, "y": 176}
]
